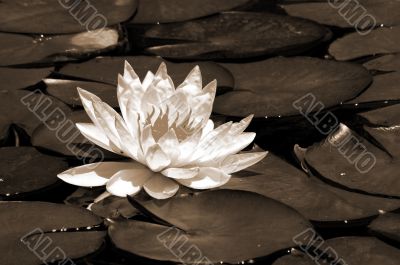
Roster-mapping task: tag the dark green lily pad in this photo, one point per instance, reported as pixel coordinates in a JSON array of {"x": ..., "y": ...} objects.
[
  {"x": 24, "y": 169},
  {"x": 158, "y": 11},
  {"x": 50, "y": 17},
  {"x": 346, "y": 250},
  {"x": 351, "y": 161},
  {"x": 66, "y": 91},
  {"x": 27, "y": 229},
  {"x": 234, "y": 35},
  {"x": 17, "y": 78},
  {"x": 27, "y": 110},
  {"x": 18, "y": 49},
  {"x": 224, "y": 225},
  {"x": 337, "y": 13},
  {"x": 387, "y": 225},
  {"x": 378, "y": 41},
  {"x": 383, "y": 88},
  {"x": 389, "y": 62},
  {"x": 313, "y": 199},
  {"x": 106, "y": 69},
  {"x": 67, "y": 139},
  {"x": 270, "y": 87},
  {"x": 386, "y": 117}
]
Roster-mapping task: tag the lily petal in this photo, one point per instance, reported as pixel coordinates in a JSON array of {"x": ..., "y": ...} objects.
[
  {"x": 235, "y": 163},
  {"x": 93, "y": 175},
  {"x": 128, "y": 181},
  {"x": 207, "y": 178},
  {"x": 160, "y": 187}
]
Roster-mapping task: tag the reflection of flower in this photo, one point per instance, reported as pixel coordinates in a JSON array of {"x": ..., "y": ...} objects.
[{"x": 168, "y": 134}]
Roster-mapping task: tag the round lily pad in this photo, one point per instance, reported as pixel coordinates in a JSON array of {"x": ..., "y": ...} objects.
[
  {"x": 159, "y": 11},
  {"x": 224, "y": 225},
  {"x": 34, "y": 233},
  {"x": 66, "y": 91},
  {"x": 378, "y": 41},
  {"x": 18, "y": 49},
  {"x": 387, "y": 225},
  {"x": 18, "y": 78},
  {"x": 271, "y": 87},
  {"x": 24, "y": 169},
  {"x": 106, "y": 69},
  {"x": 50, "y": 17},
  {"x": 234, "y": 35}
]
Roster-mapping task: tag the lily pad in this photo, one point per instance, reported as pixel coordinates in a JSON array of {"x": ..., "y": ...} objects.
[
  {"x": 387, "y": 225},
  {"x": 50, "y": 17},
  {"x": 106, "y": 69},
  {"x": 220, "y": 225},
  {"x": 158, "y": 11},
  {"x": 66, "y": 91},
  {"x": 347, "y": 159},
  {"x": 384, "y": 88},
  {"x": 29, "y": 110},
  {"x": 24, "y": 169},
  {"x": 378, "y": 41},
  {"x": 67, "y": 139},
  {"x": 315, "y": 200},
  {"x": 29, "y": 238},
  {"x": 270, "y": 87},
  {"x": 18, "y": 49},
  {"x": 346, "y": 250},
  {"x": 386, "y": 117},
  {"x": 234, "y": 35},
  {"x": 18, "y": 78},
  {"x": 389, "y": 62},
  {"x": 348, "y": 14}
]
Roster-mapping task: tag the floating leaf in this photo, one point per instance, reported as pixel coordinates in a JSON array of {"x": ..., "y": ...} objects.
[
  {"x": 67, "y": 140},
  {"x": 362, "y": 14},
  {"x": 27, "y": 236},
  {"x": 345, "y": 250},
  {"x": 50, "y": 17},
  {"x": 17, "y": 49},
  {"x": 313, "y": 199},
  {"x": 234, "y": 35},
  {"x": 351, "y": 161},
  {"x": 66, "y": 91},
  {"x": 106, "y": 69},
  {"x": 384, "y": 116},
  {"x": 224, "y": 225},
  {"x": 270, "y": 87},
  {"x": 29, "y": 110},
  {"x": 389, "y": 62},
  {"x": 158, "y": 11},
  {"x": 378, "y": 41},
  {"x": 17, "y": 78},
  {"x": 387, "y": 225},
  {"x": 24, "y": 169},
  {"x": 384, "y": 88}
]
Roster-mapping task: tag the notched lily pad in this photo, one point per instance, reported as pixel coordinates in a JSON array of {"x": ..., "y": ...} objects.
[
  {"x": 228, "y": 226},
  {"x": 106, "y": 69},
  {"x": 387, "y": 225},
  {"x": 378, "y": 41},
  {"x": 351, "y": 161},
  {"x": 315, "y": 200},
  {"x": 66, "y": 91},
  {"x": 234, "y": 35},
  {"x": 50, "y": 17},
  {"x": 159, "y": 11},
  {"x": 29, "y": 238},
  {"x": 18, "y": 49},
  {"x": 24, "y": 169},
  {"x": 270, "y": 87},
  {"x": 18, "y": 78}
]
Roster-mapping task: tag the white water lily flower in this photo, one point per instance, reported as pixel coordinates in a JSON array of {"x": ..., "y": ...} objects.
[{"x": 167, "y": 134}]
